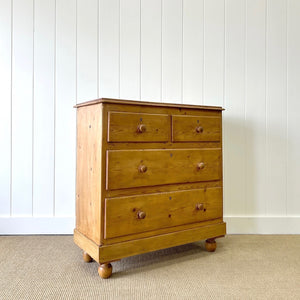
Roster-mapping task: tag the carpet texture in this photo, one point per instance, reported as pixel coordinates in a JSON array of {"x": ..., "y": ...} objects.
[{"x": 243, "y": 267}]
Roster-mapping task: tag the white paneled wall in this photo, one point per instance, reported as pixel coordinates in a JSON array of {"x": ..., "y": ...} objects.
[
  {"x": 21, "y": 104},
  {"x": 43, "y": 108},
  {"x": 65, "y": 98},
  {"x": 240, "y": 54}
]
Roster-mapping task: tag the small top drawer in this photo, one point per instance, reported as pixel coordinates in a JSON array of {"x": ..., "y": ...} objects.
[
  {"x": 136, "y": 127},
  {"x": 196, "y": 128}
]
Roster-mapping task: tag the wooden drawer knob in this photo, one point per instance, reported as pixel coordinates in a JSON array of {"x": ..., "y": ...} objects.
[
  {"x": 141, "y": 128},
  {"x": 143, "y": 169},
  {"x": 199, "y": 129},
  {"x": 199, "y": 206},
  {"x": 201, "y": 165},
  {"x": 141, "y": 215}
]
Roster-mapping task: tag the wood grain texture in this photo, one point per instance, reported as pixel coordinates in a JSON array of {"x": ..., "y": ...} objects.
[
  {"x": 153, "y": 211},
  {"x": 164, "y": 167},
  {"x": 159, "y": 231},
  {"x": 195, "y": 128},
  {"x": 134, "y": 127},
  {"x": 163, "y": 145},
  {"x": 147, "y": 103},
  {"x": 86, "y": 244},
  {"x": 170, "y": 163},
  {"x": 88, "y": 178},
  {"x": 108, "y": 253},
  {"x": 163, "y": 188},
  {"x": 138, "y": 222}
]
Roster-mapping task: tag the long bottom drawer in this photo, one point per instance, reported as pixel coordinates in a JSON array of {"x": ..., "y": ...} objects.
[{"x": 136, "y": 214}]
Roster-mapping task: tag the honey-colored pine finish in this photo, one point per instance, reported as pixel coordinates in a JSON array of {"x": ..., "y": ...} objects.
[{"x": 149, "y": 176}]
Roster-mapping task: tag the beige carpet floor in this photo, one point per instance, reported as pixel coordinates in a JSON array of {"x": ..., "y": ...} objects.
[{"x": 243, "y": 267}]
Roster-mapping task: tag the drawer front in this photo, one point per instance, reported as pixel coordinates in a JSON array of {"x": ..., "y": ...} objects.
[
  {"x": 136, "y": 168},
  {"x": 196, "y": 129},
  {"x": 136, "y": 127},
  {"x": 136, "y": 214}
]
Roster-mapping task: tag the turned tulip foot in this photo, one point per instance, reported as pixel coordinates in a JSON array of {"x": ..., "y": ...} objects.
[
  {"x": 210, "y": 245},
  {"x": 105, "y": 270},
  {"x": 86, "y": 257}
]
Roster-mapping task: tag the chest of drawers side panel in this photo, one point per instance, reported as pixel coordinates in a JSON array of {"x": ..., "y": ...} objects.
[{"x": 89, "y": 171}]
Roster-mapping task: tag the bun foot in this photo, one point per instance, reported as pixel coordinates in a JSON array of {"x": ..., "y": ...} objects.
[
  {"x": 105, "y": 270},
  {"x": 210, "y": 245},
  {"x": 86, "y": 257}
]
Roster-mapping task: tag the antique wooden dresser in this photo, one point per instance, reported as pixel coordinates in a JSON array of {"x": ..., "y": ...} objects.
[{"x": 149, "y": 176}]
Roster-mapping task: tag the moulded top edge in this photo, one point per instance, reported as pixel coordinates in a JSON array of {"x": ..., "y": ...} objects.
[{"x": 145, "y": 103}]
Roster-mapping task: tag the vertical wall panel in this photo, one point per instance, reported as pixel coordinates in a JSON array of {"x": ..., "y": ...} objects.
[
  {"x": 87, "y": 50},
  {"x": 234, "y": 115},
  {"x": 22, "y": 106},
  {"x": 193, "y": 51},
  {"x": 151, "y": 50},
  {"x": 243, "y": 54},
  {"x": 109, "y": 34},
  {"x": 172, "y": 51},
  {"x": 255, "y": 108},
  {"x": 213, "y": 52},
  {"x": 276, "y": 108},
  {"x": 43, "y": 120},
  {"x": 65, "y": 114},
  {"x": 130, "y": 49},
  {"x": 293, "y": 42},
  {"x": 5, "y": 111}
]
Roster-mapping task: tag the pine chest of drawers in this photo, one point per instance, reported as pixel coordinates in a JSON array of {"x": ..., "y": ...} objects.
[{"x": 148, "y": 177}]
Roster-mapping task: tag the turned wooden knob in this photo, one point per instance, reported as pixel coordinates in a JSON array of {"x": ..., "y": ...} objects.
[
  {"x": 141, "y": 128},
  {"x": 199, "y": 129},
  {"x": 143, "y": 169},
  {"x": 201, "y": 165},
  {"x": 141, "y": 215},
  {"x": 199, "y": 206}
]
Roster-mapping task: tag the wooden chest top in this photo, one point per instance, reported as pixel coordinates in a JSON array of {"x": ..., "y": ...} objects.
[{"x": 146, "y": 103}]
